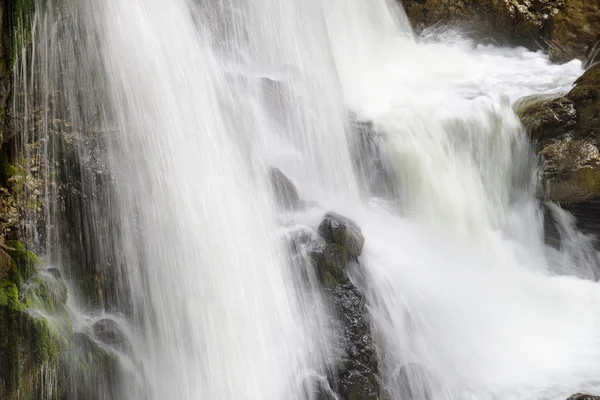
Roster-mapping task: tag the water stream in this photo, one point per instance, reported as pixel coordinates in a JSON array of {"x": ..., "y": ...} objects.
[{"x": 173, "y": 111}]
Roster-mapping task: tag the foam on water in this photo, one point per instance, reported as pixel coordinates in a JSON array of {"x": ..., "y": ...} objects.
[{"x": 194, "y": 99}]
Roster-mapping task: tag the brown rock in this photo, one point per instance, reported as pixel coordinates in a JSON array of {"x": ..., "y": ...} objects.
[
  {"x": 573, "y": 29},
  {"x": 5, "y": 265},
  {"x": 512, "y": 22},
  {"x": 568, "y": 131}
]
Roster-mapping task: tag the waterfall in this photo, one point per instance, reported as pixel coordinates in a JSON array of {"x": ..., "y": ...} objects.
[{"x": 157, "y": 123}]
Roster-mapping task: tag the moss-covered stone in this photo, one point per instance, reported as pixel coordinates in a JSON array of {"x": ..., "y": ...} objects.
[
  {"x": 9, "y": 341},
  {"x": 29, "y": 343},
  {"x": 25, "y": 260}
]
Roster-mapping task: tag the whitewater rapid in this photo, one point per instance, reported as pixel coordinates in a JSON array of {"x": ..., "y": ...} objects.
[{"x": 196, "y": 99}]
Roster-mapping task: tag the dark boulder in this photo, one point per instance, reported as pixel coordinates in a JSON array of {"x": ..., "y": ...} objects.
[
  {"x": 284, "y": 190},
  {"x": 109, "y": 332},
  {"x": 357, "y": 372},
  {"x": 581, "y": 396},
  {"x": 342, "y": 231},
  {"x": 330, "y": 262}
]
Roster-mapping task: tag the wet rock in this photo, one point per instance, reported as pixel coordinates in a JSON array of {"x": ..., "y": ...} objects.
[
  {"x": 109, "y": 332},
  {"x": 87, "y": 371},
  {"x": 568, "y": 130},
  {"x": 581, "y": 396},
  {"x": 592, "y": 55},
  {"x": 414, "y": 382},
  {"x": 284, "y": 190},
  {"x": 510, "y": 22},
  {"x": 339, "y": 230},
  {"x": 297, "y": 239},
  {"x": 547, "y": 116},
  {"x": 564, "y": 28},
  {"x": 574, "y": 27},
  {"x": 330, "y": 262},
  {"x": 358, "y": 369},
  {"x": 5, "y": 265},
  {"x": 371, "y": 164}
]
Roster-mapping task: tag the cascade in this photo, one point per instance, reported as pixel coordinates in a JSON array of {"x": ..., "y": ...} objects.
[{"x": 157, "y": 124}]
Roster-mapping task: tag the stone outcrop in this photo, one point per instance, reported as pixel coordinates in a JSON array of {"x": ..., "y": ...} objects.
[
  {"x": 592, "y": 55},
  {"x": 581, "y": 396},
  {"x": 564, "y": 27},
  {"x": 355, "y": 375},
  {"x": 567, "y": 129},
  {"x": 109, "y": 332},
  {"x": 573, "y": 29},
  {"x": 370, "y": 160},
  {"x": 285, "y": 192}
]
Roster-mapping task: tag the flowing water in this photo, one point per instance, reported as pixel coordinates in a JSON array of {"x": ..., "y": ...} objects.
[{"x": 162, "y": 118}]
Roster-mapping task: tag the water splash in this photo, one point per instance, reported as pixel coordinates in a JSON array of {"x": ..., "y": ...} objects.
[{"x": 161, "y": 118}]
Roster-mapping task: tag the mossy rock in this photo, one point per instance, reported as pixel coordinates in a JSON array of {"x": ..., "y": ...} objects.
[
  {"x": 25, "y": 260},
  {"x": 330, "y": 262},
  {"x": 5, "y": 265},
  {"x": 344, "y": 232},
  {"x": 546, "y": 116}
]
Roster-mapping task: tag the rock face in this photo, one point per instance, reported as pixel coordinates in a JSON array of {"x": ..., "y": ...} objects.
[
  {"x": 414, "y": 382},
  {"x": 581, "y": 396},
  {"x": 284, "y": 190},
  {"x": 567, "y": 129},
  {"x": 339, "y": 230},
  {"x": 565, "y": 27},
  {"x": 109, "y": 332},
  {"x": 592, "y": 55},
  {"x": 515, "y": 22},
  {"x": 575, "y": 27},
  {"x": 355, "y": 375},
  {"x": 371, "y": 164}
]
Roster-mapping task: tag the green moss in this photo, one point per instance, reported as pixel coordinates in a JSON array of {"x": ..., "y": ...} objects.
[
  {"x": 18, "y": 20},
  {"x": 42, "y": 344},
  {"x": 25, "y": 260},
  {"x": 9, "y": 348},
  {"x": 38, "y": 296}
]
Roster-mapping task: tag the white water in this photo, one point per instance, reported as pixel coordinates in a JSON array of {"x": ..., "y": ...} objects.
[{"x": 455, "y": 269}]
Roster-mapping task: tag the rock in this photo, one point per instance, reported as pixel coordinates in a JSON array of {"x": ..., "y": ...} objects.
[
  {"x": 581, "y": 396},
  {"x": 330, "y": 262},
  {"x": 507, "y": 22},
  {"x": 357, "y": 372},
  {"x": 547, "y": 116},
  {"x": 344, "y": 232},
  {"x": 568, "y": 130},
  {"x": 371, "y": 165},
  {"x": 109, "y": 332},
  {"x": 592, "y": 55},
  {"x": 284, "y": 190},
  {"x": 297, "y": 239},
  {"x": 572, "y": 170},
  {"x": 87, "y": 371},
  {"x": 5, "y": 265},
  {"x": 573, "y": 29},
  {"x": 413, "y": 382},
  {"x": 564, "y": 28}
]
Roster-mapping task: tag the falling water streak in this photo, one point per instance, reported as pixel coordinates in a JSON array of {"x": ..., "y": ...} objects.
[{"x": 179, "y": 107}]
